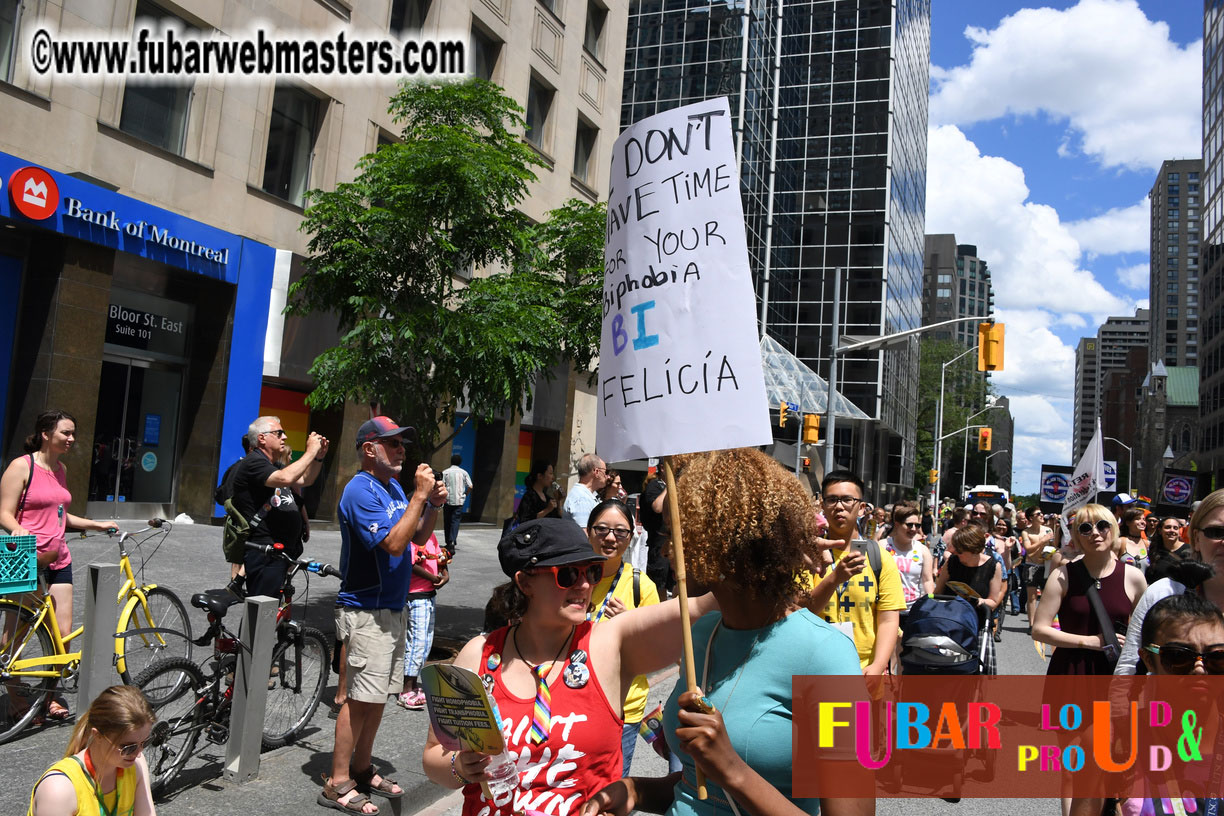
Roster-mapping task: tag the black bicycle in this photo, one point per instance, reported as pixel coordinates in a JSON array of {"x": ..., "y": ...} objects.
[{"x": 191, "y": 700}]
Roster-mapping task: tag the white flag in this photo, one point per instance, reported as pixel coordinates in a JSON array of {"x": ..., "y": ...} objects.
[{"x": 1089, "y": 477}]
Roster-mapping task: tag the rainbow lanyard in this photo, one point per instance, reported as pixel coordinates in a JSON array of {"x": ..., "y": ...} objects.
[
  {"x": 87, "y": 767},
  {"x": 607, "y": 596}
]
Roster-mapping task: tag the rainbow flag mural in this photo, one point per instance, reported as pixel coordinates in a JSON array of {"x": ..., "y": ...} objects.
[
  {"x": 294, "y": 414},
  {"x": 522, "y": 466}
]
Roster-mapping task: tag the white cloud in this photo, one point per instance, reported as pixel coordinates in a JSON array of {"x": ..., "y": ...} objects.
[
  {"x": 1034, "y": 358},
  {"x": 1122, "y": 229},
  {"x": 1130, "y": 94},
  {"x": 1135, "y": 277},
  {"x": 1033, "y": 257},
  {"x": 1143, "y": 303}
]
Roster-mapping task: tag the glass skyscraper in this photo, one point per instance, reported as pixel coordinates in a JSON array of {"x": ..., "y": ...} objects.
[
  {"x": 849, "y": 190},
  {"x": 1211, "y": 380}
]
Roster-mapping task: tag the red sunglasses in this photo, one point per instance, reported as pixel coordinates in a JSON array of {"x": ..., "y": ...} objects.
[{"x": 567, "y": 575}]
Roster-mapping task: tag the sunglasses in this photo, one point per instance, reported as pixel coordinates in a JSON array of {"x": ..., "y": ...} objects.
[
  {"x": 913, "y": 525},
  {"x": 602, "y": 530},
  {"x": 1215, "y": 532},
  {"x": 128, "y": 750},
  {"x": 279, "y": 433},
  {"x": 1178, "y": 659},
  {"x": 1103, "y": 527},
  {"x": 566, "y": 576}
]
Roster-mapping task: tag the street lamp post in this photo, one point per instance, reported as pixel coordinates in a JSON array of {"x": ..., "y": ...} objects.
[
  {"x": 986, "y": 464},
  {"x": 937, "y": 452},
  {"x": 1130, "y": 464}
]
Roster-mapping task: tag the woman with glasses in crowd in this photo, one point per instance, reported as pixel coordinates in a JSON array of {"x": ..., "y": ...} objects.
[
  {"x": 559, "y": 681},
  {"x": 1181, "y": 635},
  {"x": 103, "y": 771},
  {"x": 915, "y": 564},
  {"x": 620, "y": 589},
  {"x": 1202, "y": 574}
]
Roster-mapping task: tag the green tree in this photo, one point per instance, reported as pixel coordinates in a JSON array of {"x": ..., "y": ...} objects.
[
  {"x": 964, "y": 394},
  {"x": 385, "y": 250}
]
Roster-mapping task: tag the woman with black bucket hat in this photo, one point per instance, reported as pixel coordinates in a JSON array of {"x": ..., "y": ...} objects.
[{"x": 559, "y": 684}]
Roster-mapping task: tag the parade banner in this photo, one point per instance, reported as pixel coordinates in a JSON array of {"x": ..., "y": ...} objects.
[
  {"x": 1111, "y": 476},
  {"x": 1177, "y": 488},
  {"x": 680, "y": 359},
  {"x": 1089, "y": 476},
  {"x": 1055, "y": 480}
]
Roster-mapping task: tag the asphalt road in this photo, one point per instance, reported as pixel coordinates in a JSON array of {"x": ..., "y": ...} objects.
[{"x": 289, "y": 779}]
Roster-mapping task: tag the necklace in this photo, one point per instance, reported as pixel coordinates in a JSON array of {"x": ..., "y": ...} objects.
[{"x": 541, "y": 712}]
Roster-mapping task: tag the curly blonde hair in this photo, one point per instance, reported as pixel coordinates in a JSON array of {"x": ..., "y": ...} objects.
[{"x": 746, "y": 520}]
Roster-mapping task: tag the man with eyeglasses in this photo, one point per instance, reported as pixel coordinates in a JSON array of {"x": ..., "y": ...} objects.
[
  {"x": 870, "y": 603},
  {"x": 379, "y": 524},
  {"x": 592, "y": 477},
  {"x": 263, "y": 494}
]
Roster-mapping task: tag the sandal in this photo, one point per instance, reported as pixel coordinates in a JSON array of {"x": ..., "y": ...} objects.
[
  {"x": 411, "y": 700},
  {"x": 330, "y": 798},
  {"x": 57, "y": 711},
  {"x": 385, "y": 787}
]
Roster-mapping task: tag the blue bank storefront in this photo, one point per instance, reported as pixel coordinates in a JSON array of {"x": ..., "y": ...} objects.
[{"x": 146, "y": 325}]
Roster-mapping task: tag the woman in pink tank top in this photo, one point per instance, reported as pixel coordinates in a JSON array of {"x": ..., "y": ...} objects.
[
  {"x": 34, "y": 500},
  {"x": 559, "y": 684}
]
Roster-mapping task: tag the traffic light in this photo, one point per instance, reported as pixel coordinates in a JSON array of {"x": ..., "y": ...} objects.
[
  {"x": 782, "y": 414},
  {"x": 811, "y": 429},
  {"x": 990, "y": 347},
  {"x": 934, "y": 476},
  {"x": 807, "y": 464},
  {"x": 983, "y": 439}
]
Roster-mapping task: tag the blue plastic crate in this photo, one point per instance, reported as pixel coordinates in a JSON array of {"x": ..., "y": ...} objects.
[{"x": 18, "y": 564}]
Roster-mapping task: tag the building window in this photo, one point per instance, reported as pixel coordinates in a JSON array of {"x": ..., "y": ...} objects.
[
  {"x": 485, "y": 53},
  {"x": 291, "y": 138},
  {"x": 408, "y": 17},
  {"x": 1173, "y": 248},
  {"x": 1172, "y": 177},
  {"x": 156, "y": 113},
  {"x": 8, "y": 38},
  {"x": 552, "y": 5},
  {"x": 593, "y": 39},
  {"x": 539, "y": 105},
  {"x": 945, "y": 279},
  {"x": 584, "y": 151},
  {"x": 1171, "y": 312},
  {"x": 1192, "y": 176},
  {"x": 943, "y": 293}
]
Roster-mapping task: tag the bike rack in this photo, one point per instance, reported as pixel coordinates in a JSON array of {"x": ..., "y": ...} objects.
[
  {"x": 250, "y": 688},
  {"x": 97, "y": 669}
]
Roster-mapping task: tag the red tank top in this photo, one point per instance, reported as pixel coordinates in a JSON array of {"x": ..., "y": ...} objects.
[{"x": 582, "y": 753}]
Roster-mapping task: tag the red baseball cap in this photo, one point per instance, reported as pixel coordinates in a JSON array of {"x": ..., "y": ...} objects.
[{"x": 381, "y": 427}]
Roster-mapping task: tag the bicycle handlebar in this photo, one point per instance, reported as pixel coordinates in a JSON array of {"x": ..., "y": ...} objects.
[{"x": 316, "y": 567}]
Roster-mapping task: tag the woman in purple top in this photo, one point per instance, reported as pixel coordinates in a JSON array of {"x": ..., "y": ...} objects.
[{"x": 34, "y": 500}]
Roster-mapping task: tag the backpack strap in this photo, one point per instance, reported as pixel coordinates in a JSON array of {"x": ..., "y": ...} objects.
[
  {"x": 26, "y": 490},
  {"x": 873, "y": 556},
  {"x": 637, "y": 588}
]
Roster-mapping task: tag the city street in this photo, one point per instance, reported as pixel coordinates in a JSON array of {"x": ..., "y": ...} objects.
[{"x": 289, "y": 777}]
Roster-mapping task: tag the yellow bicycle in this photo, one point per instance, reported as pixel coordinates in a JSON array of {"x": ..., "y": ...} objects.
[{"x": 34, "y": 656}]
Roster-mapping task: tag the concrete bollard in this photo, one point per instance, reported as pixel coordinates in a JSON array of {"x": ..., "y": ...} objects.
[
  {"x": 250, "y": 689},
  {"x": 97, "y": 669}
]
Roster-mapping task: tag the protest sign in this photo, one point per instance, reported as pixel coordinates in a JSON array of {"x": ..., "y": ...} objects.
[
  {"x": 463, "y": 715},
  {"x": 680, "y": 359}
]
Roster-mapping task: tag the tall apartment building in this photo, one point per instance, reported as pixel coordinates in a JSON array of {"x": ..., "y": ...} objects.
[
  {"x": 1095, "y": 357},
  {"x": 837, "y": 181},
  {"x": 955, "y": 283},
  {"x": 165, "y": 340},
  {"x": 1211, "y": 382},
  {"x": 1176, "y": 199}
]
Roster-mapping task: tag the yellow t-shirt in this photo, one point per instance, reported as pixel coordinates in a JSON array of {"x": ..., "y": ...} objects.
[
  {"x": 87, "y": 801},
  {"x": 862, "y": 598},
  {"x": 635, "y": 699}
]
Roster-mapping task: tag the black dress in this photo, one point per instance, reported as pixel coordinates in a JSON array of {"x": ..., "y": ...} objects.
[
  {"x": 530, "y": 506},
  {"x": 978, "y": 578},
  {"x": 1075, "y": 616}
]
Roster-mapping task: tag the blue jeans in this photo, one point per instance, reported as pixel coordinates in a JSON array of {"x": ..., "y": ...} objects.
[
  {"x": 629, "y": 735},
  {"x": 452, "y": 514}
]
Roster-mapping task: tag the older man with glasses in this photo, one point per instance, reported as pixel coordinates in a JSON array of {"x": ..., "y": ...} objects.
[
  {"x": 263, "y": 494},
  {"x": 592, "y": 478}
]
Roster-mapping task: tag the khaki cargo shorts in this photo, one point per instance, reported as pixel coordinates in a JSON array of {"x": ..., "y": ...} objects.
[{"x": 375, "y": 659}]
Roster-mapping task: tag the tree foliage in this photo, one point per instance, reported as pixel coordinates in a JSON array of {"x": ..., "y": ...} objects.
[
  {"x": 385, "y": 250},
  {"x": 965, "y": 392}
]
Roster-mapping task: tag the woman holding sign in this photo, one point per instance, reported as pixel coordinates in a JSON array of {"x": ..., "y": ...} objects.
[
  {"x": 559, "y": 681},
  {"x": 749, "y": 530}
]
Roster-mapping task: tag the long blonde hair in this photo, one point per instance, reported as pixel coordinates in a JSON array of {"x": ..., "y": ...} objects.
[{"x": 114, "y": 712}]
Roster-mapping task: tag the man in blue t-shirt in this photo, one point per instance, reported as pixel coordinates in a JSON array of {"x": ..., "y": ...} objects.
[{"x": 379, "y": 524}]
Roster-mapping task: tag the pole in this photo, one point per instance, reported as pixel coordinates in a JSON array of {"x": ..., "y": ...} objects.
[
  {"x": 798, "y": 443},
  {"x": 939, "y": 418},
  {"x": 1130, "y": 463},
  {"x": 830, "y": 414},
  {"x": 686, "y": 626},
  {"x": 985, "y": 463}
]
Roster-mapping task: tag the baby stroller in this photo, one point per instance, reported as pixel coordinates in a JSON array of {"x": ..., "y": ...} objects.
[{"x": 942, "y": 636}]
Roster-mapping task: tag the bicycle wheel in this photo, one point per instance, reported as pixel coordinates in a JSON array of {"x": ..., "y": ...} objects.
[
  {"x": 299, "y": 674},
  {"x": 181, "y": 691},
  {"x": 22, "y": 698},
  {"x": 135, "y": 649}
]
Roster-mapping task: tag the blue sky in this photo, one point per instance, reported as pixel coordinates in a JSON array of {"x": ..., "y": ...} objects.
[{"x": 1047, "y": 126}]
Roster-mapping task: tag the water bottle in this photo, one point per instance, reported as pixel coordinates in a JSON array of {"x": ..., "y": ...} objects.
[{"x": 501, "y": 775}]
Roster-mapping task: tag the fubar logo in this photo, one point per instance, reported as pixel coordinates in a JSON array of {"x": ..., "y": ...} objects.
[{"x": 34, "y": 193}]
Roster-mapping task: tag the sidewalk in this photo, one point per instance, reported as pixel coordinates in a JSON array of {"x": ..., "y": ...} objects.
[{"x": 289, "y": 777}]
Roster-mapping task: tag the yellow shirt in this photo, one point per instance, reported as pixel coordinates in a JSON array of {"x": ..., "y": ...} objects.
[
  {"x": 862, "y": 598},
  {"x": 87, "y": 801},
  {"x": 635, "y": 699}
]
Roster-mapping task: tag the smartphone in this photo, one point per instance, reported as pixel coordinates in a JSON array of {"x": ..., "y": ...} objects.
[{"x": 859, "y": 545}]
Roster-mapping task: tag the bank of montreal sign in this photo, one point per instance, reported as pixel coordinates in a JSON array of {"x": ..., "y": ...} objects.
[{"x": 82, "y": 210}]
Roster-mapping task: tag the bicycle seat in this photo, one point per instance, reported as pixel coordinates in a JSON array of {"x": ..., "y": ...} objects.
[{"x": 215, "y": 601}]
